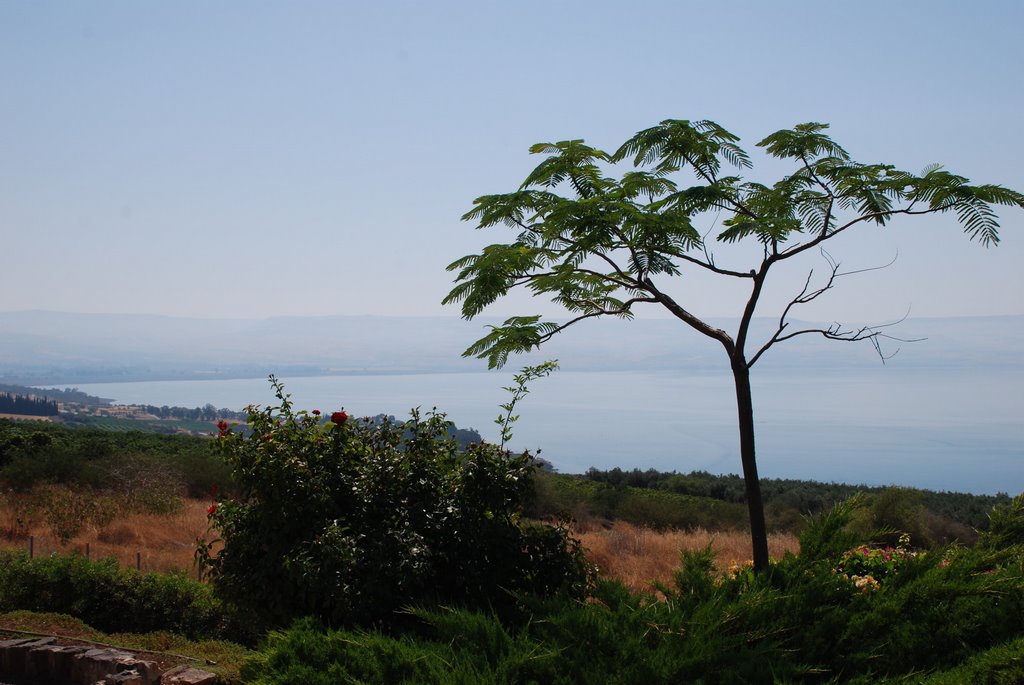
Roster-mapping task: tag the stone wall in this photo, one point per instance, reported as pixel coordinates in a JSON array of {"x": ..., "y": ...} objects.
[{"x": 43, "y": 660}]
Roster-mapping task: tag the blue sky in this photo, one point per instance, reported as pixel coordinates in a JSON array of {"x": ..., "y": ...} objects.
[{"x": 313, "y": 158}]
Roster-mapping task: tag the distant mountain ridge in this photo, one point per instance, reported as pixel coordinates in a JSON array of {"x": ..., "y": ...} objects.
[{"x": 40, "y": 347}]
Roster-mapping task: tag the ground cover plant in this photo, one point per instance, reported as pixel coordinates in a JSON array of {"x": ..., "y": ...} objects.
[{"x": 933, "y": 617}]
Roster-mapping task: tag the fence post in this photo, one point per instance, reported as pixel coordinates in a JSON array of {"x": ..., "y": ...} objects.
[{"x": 31, "y": 545}]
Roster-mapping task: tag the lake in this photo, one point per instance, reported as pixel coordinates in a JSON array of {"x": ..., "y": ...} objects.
[{"x": 943, "y": 429}]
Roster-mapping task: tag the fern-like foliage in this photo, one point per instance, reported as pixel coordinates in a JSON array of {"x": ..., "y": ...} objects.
[
  {"x": 594, "y": 243},
  {"x": 517, "y": 334}
]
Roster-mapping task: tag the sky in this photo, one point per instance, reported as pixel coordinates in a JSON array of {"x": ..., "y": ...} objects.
[{"x": 255, "y": 159}]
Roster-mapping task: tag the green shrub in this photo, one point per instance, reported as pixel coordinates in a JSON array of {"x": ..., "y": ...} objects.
[
  {"x": 796, "y": 623},
  {"x": 1006, "y": 525},
  {"x": 349, "y": 520},
  {"x": 113, "y": 599},
  {"x": 1002, "y": 665}
]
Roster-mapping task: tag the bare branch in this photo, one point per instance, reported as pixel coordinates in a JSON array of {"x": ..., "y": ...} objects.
[
  {"x": 870, "y": 333},
  {"x": 869, "y": 268},
  {"x": 834, "y": 332}
]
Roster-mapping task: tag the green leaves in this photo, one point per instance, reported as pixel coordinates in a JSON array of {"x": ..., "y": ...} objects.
[
  {"x": 803, "y": 141},
  {"x": 490, "y": 275},
  {"x": 571, "y": 161},
  {"x": 944, "y": 191},
  {"x": 517, "y": 334},
  {"x": 350, "y": 521},
  {"x": 595, "y": 244},
  {"x": 518, "y": 391},
  {"x": 675, "y": 143}
]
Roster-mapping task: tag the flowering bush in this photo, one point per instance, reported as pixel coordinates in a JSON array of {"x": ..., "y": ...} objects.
[
  {"x": 736, "y": 569},
  {"x": 865, "y": 566},
  {"x": 349, "y": 520}
]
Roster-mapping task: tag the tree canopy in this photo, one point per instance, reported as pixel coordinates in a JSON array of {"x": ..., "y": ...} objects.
[
  {"x": 603, "y": 248},
  {"x": 602, "y": 245}
]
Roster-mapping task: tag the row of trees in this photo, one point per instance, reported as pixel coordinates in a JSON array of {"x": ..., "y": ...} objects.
[
  {"x": 27, "y": 405},
  {"x": 804, "y": 496},
  {"x": 204, "y": 413},
  {"x": 65, "y": 395}
]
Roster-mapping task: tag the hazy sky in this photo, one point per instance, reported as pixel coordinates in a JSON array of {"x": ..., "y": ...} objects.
[{"x": 310, "y": 158}]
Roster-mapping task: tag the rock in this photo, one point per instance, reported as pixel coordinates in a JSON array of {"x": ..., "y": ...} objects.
[
  {"x": 52, "y": 662},
  {"x": 14, "y": 654},
  {"x": 131, "y": 677},
  {"x": 94, "y": 665},
  {"x": 42, "y": 660},
  {"x": 186, "y": 675}
]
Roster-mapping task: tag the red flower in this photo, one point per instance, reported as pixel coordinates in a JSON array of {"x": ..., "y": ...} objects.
[
  {"x": 339, "y": 418},
  {"x": 222, "y": 425},
  {"x": 316, "y": 412},
  {"x": 214, "y": 490},
  {"x": 212, "y": 509}
]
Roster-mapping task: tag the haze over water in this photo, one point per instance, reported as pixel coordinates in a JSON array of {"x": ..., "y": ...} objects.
[{"x": 953, "y": 429}]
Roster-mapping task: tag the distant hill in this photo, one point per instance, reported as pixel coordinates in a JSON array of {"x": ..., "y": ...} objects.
[{"x": 40, "y": 347}]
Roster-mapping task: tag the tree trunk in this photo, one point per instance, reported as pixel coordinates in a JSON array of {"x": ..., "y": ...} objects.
[{"x": 745, "y": 414}]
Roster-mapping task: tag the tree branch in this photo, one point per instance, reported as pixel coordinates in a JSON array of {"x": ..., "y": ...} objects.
[
  {"x": 815, "y": 177},
  {"x": 624, "y": 275},
  {"x": 803, "y": 247},
  {"x": 870, "y": 333},
  {"x": 835, "y": 331},
  {"x": 710, "y": 266},
  {"x": 624, "y": 309},
  {"x": 690, "y": 319}
]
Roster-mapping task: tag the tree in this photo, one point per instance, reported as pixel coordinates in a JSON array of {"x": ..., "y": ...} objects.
[{"x": 608, "y": 245}]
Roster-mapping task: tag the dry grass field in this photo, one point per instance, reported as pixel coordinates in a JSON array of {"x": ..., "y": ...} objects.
[
  {"x": 163, "y": 542},
  {"x": 166, "y": 542},
  {"x": 638, "y": 556}
]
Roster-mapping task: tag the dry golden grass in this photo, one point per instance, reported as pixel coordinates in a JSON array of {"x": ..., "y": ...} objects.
[
  {"x": 635, "y": 555},
  {"x": 164, "y": 542},
  {"x": 639, "y": 556}
]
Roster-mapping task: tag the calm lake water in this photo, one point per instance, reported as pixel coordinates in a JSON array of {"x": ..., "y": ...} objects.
[{"x": 950, "y": 429}]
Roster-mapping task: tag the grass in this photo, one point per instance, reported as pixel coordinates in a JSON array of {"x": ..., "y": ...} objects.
[
  {"x": 164, "y": 542},
  {"x": 638, "y": 556}
]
